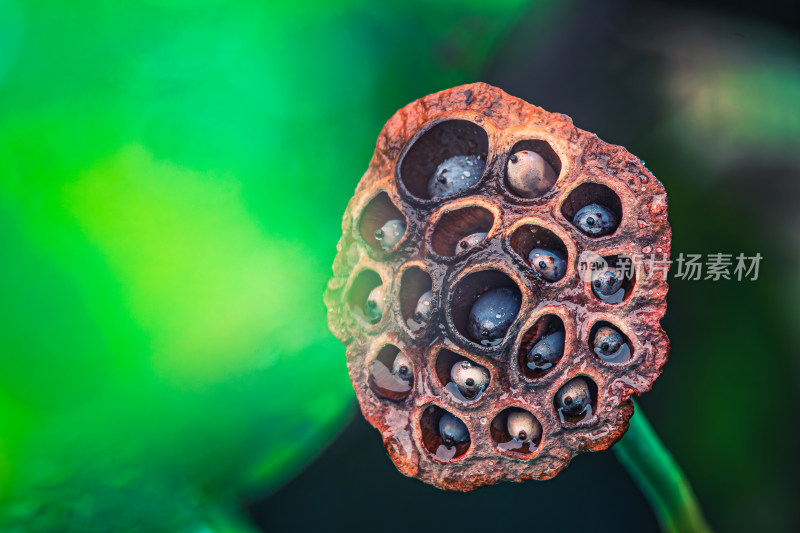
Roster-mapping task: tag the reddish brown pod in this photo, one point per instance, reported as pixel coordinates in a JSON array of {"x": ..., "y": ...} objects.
[{"x": 490, "y": 290}]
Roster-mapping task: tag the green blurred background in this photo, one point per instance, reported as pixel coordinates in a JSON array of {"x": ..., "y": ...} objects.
[{"x": 172, "y": 180}]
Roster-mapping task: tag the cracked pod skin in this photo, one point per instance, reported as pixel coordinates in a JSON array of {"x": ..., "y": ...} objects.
[{"x": 483, "y": 121}]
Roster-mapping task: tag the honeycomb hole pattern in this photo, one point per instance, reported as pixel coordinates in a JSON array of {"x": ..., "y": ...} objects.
[
  {"x": 433, "y": 146},
  {"x": 413, "y": 414}
]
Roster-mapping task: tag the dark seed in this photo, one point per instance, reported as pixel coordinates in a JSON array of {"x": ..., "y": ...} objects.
[
  {"x": 606, "y": 282},
  {"x": 452, "y": 430},
  {"x": 547, "y": 351},
  {"x": 455, "y": 174},
  {"x": 492, "y": 314},
  {"x": 595, "y": 220}
]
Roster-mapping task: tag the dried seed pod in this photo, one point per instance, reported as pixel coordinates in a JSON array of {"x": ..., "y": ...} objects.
[{"x": 482, "y": 125}]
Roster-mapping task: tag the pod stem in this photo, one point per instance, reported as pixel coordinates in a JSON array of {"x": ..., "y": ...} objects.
[{"x": 659, "y": 477}]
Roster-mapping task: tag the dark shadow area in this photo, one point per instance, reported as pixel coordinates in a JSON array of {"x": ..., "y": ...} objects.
[{"x": 353, "y": 486}]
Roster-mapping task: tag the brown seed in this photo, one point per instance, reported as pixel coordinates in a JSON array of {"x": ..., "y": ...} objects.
[{"x": 529, "y": 175}]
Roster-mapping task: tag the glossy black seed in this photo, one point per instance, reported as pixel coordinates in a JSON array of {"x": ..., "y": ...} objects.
[
  {"x": 492, "y": 314},
  {"x": 452, "y": 430},
  {"x": 595, "y": 220},
  {"x": 546, "y": 351},
  {"x": 574, "y": 397},
  {"x": 455, "y": 174},
  {"x": 550, "y": 264}
]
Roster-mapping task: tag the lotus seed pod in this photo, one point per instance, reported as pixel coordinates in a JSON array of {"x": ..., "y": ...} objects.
[
  {"x": 441, "y": 136},
  {"x": 375, "y": 304},
  {"x": 422, "y": 312},
  {"x": 606, "y": 282},
  {"x": 452, "y": 430},
  {"x": 469, "y": 241},
  {"x": 595, "y": 220},
  {"x": 550, "y": 264},
  {"x": 402, "y": 367},
  {"x": 607, "y": 342},
  {"x": 546, "y": 351},
  {"x": 455, "y": 174},
  {"x": 574, "y": 397},
  {"x": 523, "y": 426},
  {"x": 529, "y": 174},
  {"x": 390, "y": 233},
  {"x": 470, "y": 379},
  {"x": 492, "y": 315}
]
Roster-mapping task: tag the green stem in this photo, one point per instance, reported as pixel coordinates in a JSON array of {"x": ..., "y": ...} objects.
[{"x": 659, "y": 477}]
